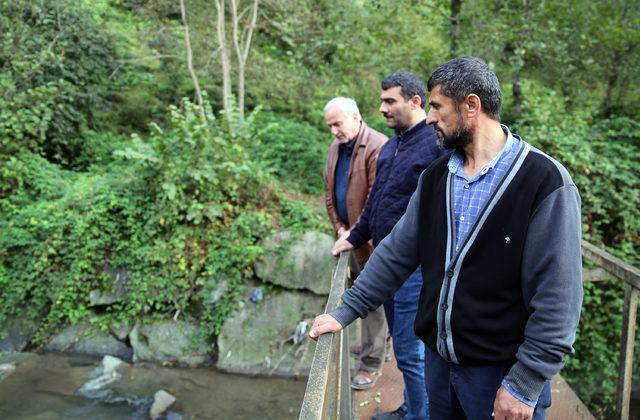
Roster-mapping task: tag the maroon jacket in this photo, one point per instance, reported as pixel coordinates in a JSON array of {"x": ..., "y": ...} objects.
[{"x": 362, "y": 174}]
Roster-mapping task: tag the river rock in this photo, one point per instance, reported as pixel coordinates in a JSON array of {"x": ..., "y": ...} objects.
[
  {"x": 6, "y": 369},
  {"x": 257, "y": 339},
  {"x": 19, "y": 332},
  {"x": 121, "y": 332},
  {"x": 169, "y": 342},
  {"x": 214, "y": 290},
  {"x": 161, "y": 401},
  {"x": 86, "y": 338},
  {"x": 114, "y": 288},
  {"x": 298, "y": 262},
  {"x": 94, "y": 388}
]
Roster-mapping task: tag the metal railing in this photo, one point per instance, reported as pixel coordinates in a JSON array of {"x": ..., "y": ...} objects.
[
  {"x": 328, "y": 394},
  {"x": 631, "y": 276}
]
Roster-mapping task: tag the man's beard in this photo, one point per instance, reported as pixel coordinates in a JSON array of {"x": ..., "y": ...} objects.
[{"x": 460, "y": 137}]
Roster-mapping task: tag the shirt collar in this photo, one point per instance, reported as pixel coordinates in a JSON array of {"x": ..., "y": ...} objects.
[
  {"x": 457, "y": 157},
  {"x": 348, "y": 147}
]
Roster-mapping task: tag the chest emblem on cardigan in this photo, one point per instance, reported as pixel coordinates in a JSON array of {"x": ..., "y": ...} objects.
[{"x": 507, "y": 240}]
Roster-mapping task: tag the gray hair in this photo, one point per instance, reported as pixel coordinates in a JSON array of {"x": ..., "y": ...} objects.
[
  {"x": 348, "y": 106},
  {"x": 465, "y": 75}
]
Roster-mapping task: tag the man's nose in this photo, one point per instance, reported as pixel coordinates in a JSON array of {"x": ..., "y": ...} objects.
[
  {"x": 334, "y": 131},
  {"x": 431, "y": 118},
  {"x": 383, "y": 108}
]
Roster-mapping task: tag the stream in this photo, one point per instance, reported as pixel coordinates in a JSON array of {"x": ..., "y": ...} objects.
[{"x": 44, "y": 386}]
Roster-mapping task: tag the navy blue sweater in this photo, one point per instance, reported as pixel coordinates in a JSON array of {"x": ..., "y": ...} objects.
[{"x": 400, "y": 163}]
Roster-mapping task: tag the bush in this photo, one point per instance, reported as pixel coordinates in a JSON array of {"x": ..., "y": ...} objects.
[
  {"x": 293, "y": 151},
  {"x": 54, "y": 63},
  {"x": 179, "y": 211},
  {"x": 601, "y": 156}
]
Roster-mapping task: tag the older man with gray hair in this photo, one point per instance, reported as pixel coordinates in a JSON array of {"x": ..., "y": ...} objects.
[{"x": 349, "y": 175}]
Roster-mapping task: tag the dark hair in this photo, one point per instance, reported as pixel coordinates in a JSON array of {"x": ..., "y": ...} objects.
[
  {"x": 410, "y": 85},
  {"x": 464, "y": 75}
]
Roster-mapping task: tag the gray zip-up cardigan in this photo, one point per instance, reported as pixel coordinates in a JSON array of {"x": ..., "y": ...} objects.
[{"x": 537, "y": 273}]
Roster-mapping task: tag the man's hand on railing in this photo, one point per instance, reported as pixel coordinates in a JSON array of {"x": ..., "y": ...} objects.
[
  {"x": 323, "y": 324},
  {"x": 341, "y": 245}
]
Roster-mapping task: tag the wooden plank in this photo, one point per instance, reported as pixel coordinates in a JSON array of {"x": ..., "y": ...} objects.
[
  {"x": 386, "y": 395},
  {"x": 614, "y": 265},
  {"x": 623, "y": 399},
  {"x": 345, "y": 408},
  {"x": 565, "y": 404},
  {"x": 321, "y": 398}
]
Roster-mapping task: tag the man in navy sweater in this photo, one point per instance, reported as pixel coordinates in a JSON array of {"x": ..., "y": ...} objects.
[
  {"x": 496, "y": 229},
  {"x": 413, "y": 147}
]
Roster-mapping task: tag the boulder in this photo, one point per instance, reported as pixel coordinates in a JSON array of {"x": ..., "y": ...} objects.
[
  {"x": 86, "y": 338},
  {"x": 214, "y": 290},
  {"x": 114, "y": 289},
  {"x": 18, "y": 333},
  {"x": 169, "y": 342},
  {"x": 258, "y": 339},
  {"x": 121, "y": 332},
  {"x": 298, "y": 262},
  {"x": 6, "y": 369},
  {"x": 161, "y": 401}
]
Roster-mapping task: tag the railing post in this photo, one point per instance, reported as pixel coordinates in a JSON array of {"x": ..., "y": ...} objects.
[
  {"x": 623, "y": 399},
  {"x": 345, "y": 409},
  {"x": 328, "y": 394},
  {"x": 631, "y": 276}
]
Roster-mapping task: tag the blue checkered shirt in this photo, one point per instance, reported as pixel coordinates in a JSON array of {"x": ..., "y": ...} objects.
[{"x": 470, "y": 195}]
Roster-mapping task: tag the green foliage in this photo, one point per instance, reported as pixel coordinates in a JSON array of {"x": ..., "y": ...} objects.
[
  {"x": 180, "y": 211},
  {"x": 54, "y": 63},
  {"x": 593, "y": 372},
  {"x": 600, "y": 155},
  {"x": 293, "y": 151},
  {"x": 183, "y": 203}
]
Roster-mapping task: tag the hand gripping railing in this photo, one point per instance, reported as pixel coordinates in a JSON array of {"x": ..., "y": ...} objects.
[
  {"x": 631, "y": 276},
  {"x": 328, "y": 394}
]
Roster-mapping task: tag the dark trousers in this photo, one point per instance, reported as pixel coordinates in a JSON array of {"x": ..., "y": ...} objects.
[
  {"x": 373, "y": 332},
  {"x": 468, "y": 392}
]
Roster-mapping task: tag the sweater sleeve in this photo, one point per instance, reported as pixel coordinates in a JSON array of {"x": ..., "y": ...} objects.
[
  {"x": 391, "y": 263},
  {"x": 552, "y": 290}
]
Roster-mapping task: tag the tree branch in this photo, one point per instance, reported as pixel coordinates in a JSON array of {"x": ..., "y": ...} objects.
[{"x": 192, "y": 72}]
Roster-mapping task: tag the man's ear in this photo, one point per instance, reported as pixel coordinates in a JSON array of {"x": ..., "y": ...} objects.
[
  {"x": 473, "y": 105},
  {"x": 416, "y": 101}
]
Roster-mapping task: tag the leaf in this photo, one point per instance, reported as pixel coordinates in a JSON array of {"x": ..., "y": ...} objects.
[{"x": 170, "y": 190}]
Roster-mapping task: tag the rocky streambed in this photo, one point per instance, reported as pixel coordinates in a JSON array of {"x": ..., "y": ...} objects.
[
  {"x": 62, "y": 385},
  {"x": 123, "y": 372}
]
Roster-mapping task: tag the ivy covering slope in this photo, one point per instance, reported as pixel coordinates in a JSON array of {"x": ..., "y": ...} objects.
[{"x": 180, "y": 211}]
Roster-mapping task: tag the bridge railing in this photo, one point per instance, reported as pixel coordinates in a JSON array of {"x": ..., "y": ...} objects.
[
  {"x": 631, "y": 276},
  {"x": 328, "y": 394}
]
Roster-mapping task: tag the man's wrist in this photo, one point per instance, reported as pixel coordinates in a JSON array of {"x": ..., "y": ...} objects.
[
  {"x": 525, "y": 381},
  {"x": 356, "y": 239},
  {"x": 518, "y": 396}
]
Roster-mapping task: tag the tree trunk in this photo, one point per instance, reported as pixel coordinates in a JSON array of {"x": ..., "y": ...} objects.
[
  {"x": 456, "y": 5},
  {"x": 187, "y": 43},
  {"x": 607, "y": 103},
  {"x": 224, "y": 58},
  {"x": 242, "y": 53},
  {"x": 517, "y": 94}
]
